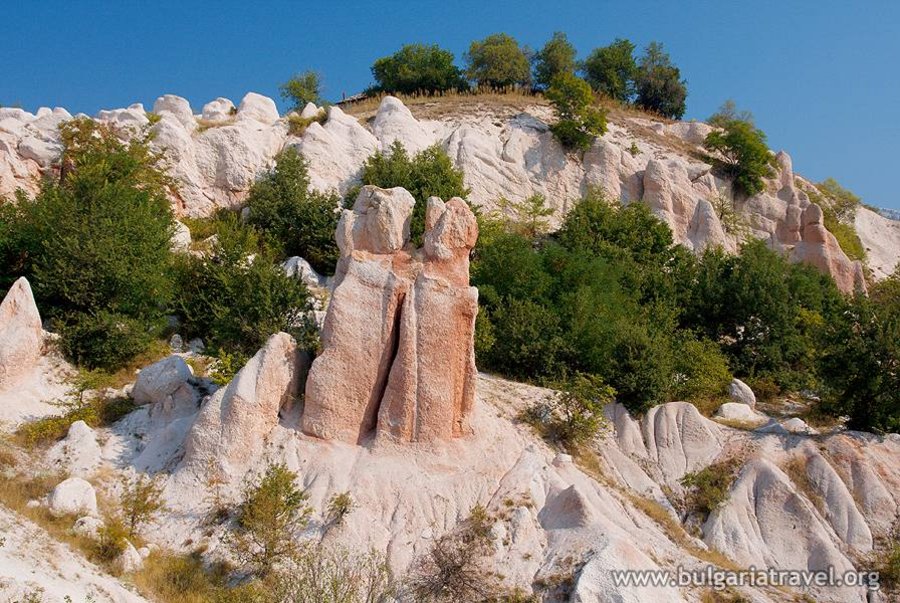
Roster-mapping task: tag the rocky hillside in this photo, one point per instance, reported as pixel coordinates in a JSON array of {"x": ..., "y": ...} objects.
[{"x": 504, "y": 148}]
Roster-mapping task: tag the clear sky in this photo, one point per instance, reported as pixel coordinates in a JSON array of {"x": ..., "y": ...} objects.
[{"x": 822, "y": 77}]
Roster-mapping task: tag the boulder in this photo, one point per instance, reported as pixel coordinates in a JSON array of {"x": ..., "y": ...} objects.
[
  {"x": 236, "y": 419},
  {"x": 221, "y": 109},
  {"x": 133, "y": 117},
  {"x": 181, "y": 238},
  {"x": 397, "y": 340},
  {"x": 742, "y": 413},
  {"x": 74, "y": 496},
  {"x": 740, "y": 392},
  {"x": 79, "y": 453},
  {"x": 87, "y": 526},
  {"x": 21, "y": 335},
  {"x": 309, "y": 111},
  {"x": 130, "y": 560},
  {"x": 299, "y": 268},
  {"x": 258, "y": 107},
  {"x": 178, "y": 107},
  {"x": 167, "y": 386}
]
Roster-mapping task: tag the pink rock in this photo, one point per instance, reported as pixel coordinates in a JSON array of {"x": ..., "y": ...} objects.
[
  {"x": 21, "y": 335},
  {"x": 819, "y": 248},
  {"x": 398, "y": 356}
]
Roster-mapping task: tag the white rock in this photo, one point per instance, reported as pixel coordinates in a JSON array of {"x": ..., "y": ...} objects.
[
  {"x": 181, "y": 238},
  {"x": 88, "y": 526},
  {"x": 258, "y": 107},
  {"x": 740, "y": 392},
  {"x": 737, "y": 411},
  {"x": 161, "y": 379},
  {"x": 74, "y": 496},
  {"x": 298, "y": 267},
  {"x": 21, "y": 335},
  {"x": 310, "y": 110},
  {"x": 221, "y": 109},
  {"x": 798, "y": 425},
  {"x": 130, "y": 560},
  {"x": 179, "y": 107},
  {"x": 394, "y": 122},
  {"x": 44, "y": 153},
  {"x": 79, "y": 453},
  {"x": 133, "y": 116}
]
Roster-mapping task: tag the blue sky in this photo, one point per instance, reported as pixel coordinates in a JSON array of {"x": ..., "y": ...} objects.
[{"x": 821, "y": 77}]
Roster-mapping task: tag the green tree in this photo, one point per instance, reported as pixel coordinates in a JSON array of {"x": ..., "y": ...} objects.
[
  {"x": 578, "y": 120},
  {"x": 302, "y": 221},
  {"x": 270, "y": 519},
  {"x": 658, "y": 83},
  {"x": 498, "y": 61},
  {"x": 861, "y": 363},
  {"x": 745, "y": 155},
  {"x": 428, "y": 173},
  {"x": 555, "y": 58},
  {"x": 141, "y": 500},
  {"x": 303, "y": 88},
  {"x": 612, "y": 69},
  {"x": 576, "y": 409},
  {"x": 729, "y": 112},
  {"x": 235, "y": 296},
  {"x": 528, "y": 217},
  {"x": 96, "y": 243},
  {"x": 418, "y": 68}
]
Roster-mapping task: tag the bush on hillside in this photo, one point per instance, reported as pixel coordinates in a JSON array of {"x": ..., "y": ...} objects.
[
  {"x": 235, "y": 296},
  {"x": 746, "y": 157},
  {"x": 573, "y": 415},
  {"x": 95, "y": 244},
  {"x": 728, "y": 113},
  {"x": 578, "y": 120},
  {"x": 611, "y": 70},
  {"x": 418, "y": 68},
  {"x": 861, "y": 356},
  {"x": 301, "y": 221},
  {"x": 658, "y": 84},
  {"x": 557, "y": 57},
  {"x": 273, "y": 513},
  {"x": 498, "y": 62},
  {"x": 427, "y": 173},
  {"x": 301, "y": 89}
]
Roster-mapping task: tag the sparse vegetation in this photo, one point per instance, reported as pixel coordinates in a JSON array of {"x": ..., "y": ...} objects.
[
  {"x": 574, "y": 414},
  {"x": 271, "y": 516},
  {"x": 301, "y": 89},
  {"x": 839, "y": 207},
  {"x": 708, "y": 488},
  {"x": 140, "y": 501},
  {"x": 339, "y": 507},
  {"x": 297, "y": 124}
]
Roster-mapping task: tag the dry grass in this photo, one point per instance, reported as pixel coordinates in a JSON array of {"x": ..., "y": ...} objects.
[
  {"x": 736, "y": 423},
  {"x": 450, "y": 103},
  {"x": 795, "y": 468},
  {"x": 205, "y": 124}
]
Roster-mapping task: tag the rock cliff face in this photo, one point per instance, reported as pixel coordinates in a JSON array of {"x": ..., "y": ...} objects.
[
  {"x": 398, "y": 359},
  {"x": 21, "y": 335},
  {"x": 217, "y": 154}
]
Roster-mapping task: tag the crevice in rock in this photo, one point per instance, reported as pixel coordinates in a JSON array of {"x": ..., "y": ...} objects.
[{"x": 387, "y": 362}]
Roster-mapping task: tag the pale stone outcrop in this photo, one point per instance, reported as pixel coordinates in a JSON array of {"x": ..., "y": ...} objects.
[
  {"x": 881, "y": 238},
  {"x": 819, "y": 248},
  {"x": 178, "y": 107},
  {"x": 79, "y": 453},
  {"x": 21, "y": 335},
  {"x": 299, "y": 268},
  {"x": 741, "y": 393},
  {"x": 741, "y": 413},
  {"x": 74, "y": 496},
  {"x": 220, "y": 109},
  {"x": 257, "y": 107},
  {"x": 234, "y": 422},
  {"x": 166, "y": 385},
  {"x": 181, "y": 238},
  {"x": 397, "y": 341}
]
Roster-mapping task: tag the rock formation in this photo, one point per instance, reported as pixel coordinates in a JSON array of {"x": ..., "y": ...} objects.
[
  {"x": 21, "y": 335},
  {"x": 233, "y": 423},
  {"x": 820, "y": 248},
  {"x": 397, "y": 355}
]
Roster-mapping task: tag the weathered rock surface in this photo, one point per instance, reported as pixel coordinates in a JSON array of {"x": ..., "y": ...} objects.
[
  {"x": 740, "y": 392},
  {"x": 235, "y": 421},
  {"x": 73, "y": 496},
  {"x": 21, "y": 334},
  {"x": 397, "y": 341},
  {"x": 819, "y": 248},
  {"x": 79, "y": 453}
]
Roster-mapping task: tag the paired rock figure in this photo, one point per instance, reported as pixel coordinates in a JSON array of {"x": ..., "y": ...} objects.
[{"x": 398, "y": 354}]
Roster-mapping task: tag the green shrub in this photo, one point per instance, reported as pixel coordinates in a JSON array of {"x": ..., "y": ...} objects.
[
  {"x": 658, "y": 84},
  {"x": 112, "y": 539},
  {"x": 746, "y": 156},
  {"x": 579, "y": 122},
  {"x": 301, "y": 89},
  {"x": 428, "y": 173},
  {"x": 140, "y": 500},
  {"x": 701, "y": 371},
  {"x": 574, "y": 414},
  {"x": 95, "y": 244},
  {"x": 235, "y": 303},
  {"x": 555, "y": 58},
  {"x": 708, "y": 488},
  {"x": 417, "y": 68},
  {"x": 530, "y": 344},
  {"x": 301, "y": 221},
  {"x": 297, "y": 125},
  {"x": 611, "y": 70},
  {"x": 339, "y": 507},
  {"x": 272, "y": 515},
  {"x": 497, "y": 62},
  {"x": 526, "y": 217}
]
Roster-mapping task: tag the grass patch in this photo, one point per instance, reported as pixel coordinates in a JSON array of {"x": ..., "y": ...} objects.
[
  {"x": 180, "y": 578},
  {"x": 297, "y": 125},
  {"x": 205, "y": 124},
  {"x": 451, "y": 102}
]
